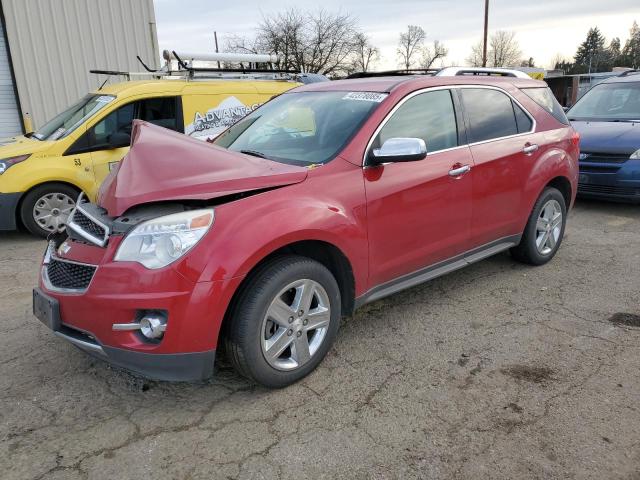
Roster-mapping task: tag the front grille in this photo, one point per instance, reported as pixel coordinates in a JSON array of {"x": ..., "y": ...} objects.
[
  {"x": 68, "y": 275},
  {"x": 608, "y": 190},
  {"x": 88, "y": 225},
  {"x": 604, "y": 157}
]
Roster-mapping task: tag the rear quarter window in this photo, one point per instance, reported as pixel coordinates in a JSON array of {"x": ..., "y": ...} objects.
[{"x": 544, "y": 97}]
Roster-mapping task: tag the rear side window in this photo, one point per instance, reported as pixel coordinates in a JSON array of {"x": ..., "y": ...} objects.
[
  {"x": 490, "y": 113},
  {"x": 543, "y": 97},
  {"x": 523, "y": 121},
  {"x": 429, "y": 116}
]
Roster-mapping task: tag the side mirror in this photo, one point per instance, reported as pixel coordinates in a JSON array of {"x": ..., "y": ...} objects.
[
  {"x": 119, "y": 140},
  {"x": 399, "y": 150}
]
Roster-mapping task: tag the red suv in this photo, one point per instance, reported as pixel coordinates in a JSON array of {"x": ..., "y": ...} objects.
[{"x": 327, "y": 197}]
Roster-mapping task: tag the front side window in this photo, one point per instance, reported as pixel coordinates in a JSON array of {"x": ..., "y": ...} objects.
[
  {"x": 117, "y": 121},
  {"x": 66, "y": 122},
  {"x": 609, "y": 102},
  {"x": 429, "y": 116},
  {"x": 301, "y": 128},
  {"x": 490, "y": 112},
  {"x": 160, "y": 111}
]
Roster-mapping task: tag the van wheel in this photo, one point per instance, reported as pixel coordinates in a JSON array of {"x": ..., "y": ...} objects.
[
  {"x": 545, "y": 229},
  {"x": 284, "y": 321},
  {"x": 45, "y": 209}
]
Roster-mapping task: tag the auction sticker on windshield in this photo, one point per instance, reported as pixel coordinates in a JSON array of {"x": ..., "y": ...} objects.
[{"x": 365, "y": 96}]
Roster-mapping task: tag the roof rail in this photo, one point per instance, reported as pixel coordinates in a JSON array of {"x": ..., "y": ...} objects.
[
  {"x": 498, "y": 72},
  {"x": 629, "y": 72},
  {"x": 391, "y": 73}
]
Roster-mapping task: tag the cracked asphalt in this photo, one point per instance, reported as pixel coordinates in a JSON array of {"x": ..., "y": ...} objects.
[{"x": 497, "y": 371}]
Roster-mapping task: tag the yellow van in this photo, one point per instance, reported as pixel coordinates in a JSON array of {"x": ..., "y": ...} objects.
[{"x": 42, "y": 173}]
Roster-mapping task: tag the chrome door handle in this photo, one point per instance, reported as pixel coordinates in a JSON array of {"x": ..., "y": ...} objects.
[
  {"x": 456, "y": 172},
  {"x": 529, "y": 149}
]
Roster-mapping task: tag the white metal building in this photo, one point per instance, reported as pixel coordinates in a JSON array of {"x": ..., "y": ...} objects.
[{"x": 47, "y": 48}]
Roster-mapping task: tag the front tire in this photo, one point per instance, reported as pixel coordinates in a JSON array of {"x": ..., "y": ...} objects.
[
  {"x": 284, "y": 322},
  {"x": 543, "y": 234},
  {"x": 45, "y": 209}
]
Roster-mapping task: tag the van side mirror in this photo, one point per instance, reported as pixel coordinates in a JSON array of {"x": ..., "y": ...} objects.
[
  {"x": 119, "y": 140},
  {"x": 399, "y": 150}
]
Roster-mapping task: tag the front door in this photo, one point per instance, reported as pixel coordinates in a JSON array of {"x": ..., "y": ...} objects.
[{"x": 419, "y": 213}]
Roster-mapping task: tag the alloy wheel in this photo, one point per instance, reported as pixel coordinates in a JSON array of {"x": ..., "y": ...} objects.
[
  {"x": 295, "y": 324},
  {"x": 548, "y": 227}
]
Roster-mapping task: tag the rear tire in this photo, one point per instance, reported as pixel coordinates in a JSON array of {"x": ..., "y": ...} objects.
[
  {"x": 284, "y": 321},
  {"x": 545, "y": 229},
  {"x": 44, "y": 209}
]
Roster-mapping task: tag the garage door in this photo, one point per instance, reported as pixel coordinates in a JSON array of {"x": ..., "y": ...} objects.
[{"x": 9, "y": 116}]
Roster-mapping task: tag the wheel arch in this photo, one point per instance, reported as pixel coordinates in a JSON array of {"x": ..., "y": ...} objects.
[
  {"x": 321, "y": 251},
  {"x": 562, "y": 184}
]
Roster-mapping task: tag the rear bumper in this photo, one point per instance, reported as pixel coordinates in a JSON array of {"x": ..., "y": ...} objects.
[
  {"x": 8, "y": 206},
  {"x": 618, "y": 182}
]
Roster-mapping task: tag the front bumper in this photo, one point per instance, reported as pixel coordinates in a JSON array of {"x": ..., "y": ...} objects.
[
  {"x": 171, "y": 367},
  {"x": 118, "y": 293},
  {"x": 610, "y": 181},
  {"x": 8, "y": 207}
]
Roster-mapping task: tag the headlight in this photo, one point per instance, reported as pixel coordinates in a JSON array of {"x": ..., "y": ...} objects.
[
  {"x": 5, "y": 163},
  {"x": 635, "y": 155},
  {"x": 158, "y": 242}
]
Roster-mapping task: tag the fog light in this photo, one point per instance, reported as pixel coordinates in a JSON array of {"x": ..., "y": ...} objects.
[{"x": 153, "y": 326}]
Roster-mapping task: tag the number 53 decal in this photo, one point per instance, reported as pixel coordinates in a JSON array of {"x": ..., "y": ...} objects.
[{"x": 77, "y": 162}]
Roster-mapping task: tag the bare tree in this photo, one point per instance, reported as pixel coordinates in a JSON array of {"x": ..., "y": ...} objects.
[
  {"x": 365, "y": 53},
  {"x": 504, "y": 49},
  {"x": 314, "y": 42},
  {"x": 410, "y": 45},
  {"x": 430, "y": 55},
  {"x": 475, "y": 57}
]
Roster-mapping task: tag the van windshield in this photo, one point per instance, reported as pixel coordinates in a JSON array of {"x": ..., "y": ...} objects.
[
  {"x": 302, "y": 128},
  {"x": 609, "y": 102},
  {"x": 66, "y": 122}
]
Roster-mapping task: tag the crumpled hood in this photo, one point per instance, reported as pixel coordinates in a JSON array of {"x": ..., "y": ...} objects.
[
  {"x": 165, "y": 165},
  {"x": 608, "y": 137}
]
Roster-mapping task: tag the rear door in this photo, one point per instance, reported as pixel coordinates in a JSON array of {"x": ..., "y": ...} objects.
[
  {"x": 417, "y": 212},
  {"x": 504, "y": 151}
]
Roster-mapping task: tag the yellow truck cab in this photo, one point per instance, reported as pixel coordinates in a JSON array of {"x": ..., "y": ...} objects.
[{"x": 42, "y": 173}]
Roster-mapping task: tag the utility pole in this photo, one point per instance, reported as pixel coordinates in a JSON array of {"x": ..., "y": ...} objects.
[
  {"x": 486, "y": 29},
  {"x": 215, "y": 38}
]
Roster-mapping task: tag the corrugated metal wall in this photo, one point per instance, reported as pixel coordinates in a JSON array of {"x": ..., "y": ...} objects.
[
  {"x": 54, "y": 44},
  {"x": 10, "y": 124}
]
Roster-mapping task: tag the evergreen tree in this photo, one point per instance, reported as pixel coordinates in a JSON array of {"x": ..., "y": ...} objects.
[
  {"x": 592, "y": 56},
  {"x": 615, "y": 54},
  {"x": 631, "y": 50}
]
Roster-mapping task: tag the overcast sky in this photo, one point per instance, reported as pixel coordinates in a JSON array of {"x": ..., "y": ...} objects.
[{"x": 543, "y": 27}]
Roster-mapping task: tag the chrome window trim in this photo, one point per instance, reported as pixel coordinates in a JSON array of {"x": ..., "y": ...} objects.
[
  {"x": 83, "y": 233},
  {"x": 534, "y": 124},
  {"x": 49, "y": 254}
]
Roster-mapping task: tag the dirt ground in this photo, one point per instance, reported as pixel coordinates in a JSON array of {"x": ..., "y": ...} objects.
[{"x": 497, "y": 371}]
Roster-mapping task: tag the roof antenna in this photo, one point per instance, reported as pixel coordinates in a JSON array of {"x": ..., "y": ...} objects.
[{"x": 103, "y": 83}]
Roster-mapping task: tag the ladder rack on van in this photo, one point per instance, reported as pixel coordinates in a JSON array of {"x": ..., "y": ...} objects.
[{"x": 187, "y": 71}]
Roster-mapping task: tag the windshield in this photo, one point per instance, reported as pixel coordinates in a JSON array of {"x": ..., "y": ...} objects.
[
  {"x": 609, "y": 102},
  {"x": 66, "y": 122},
  {"x": 301, "y": 128}
]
